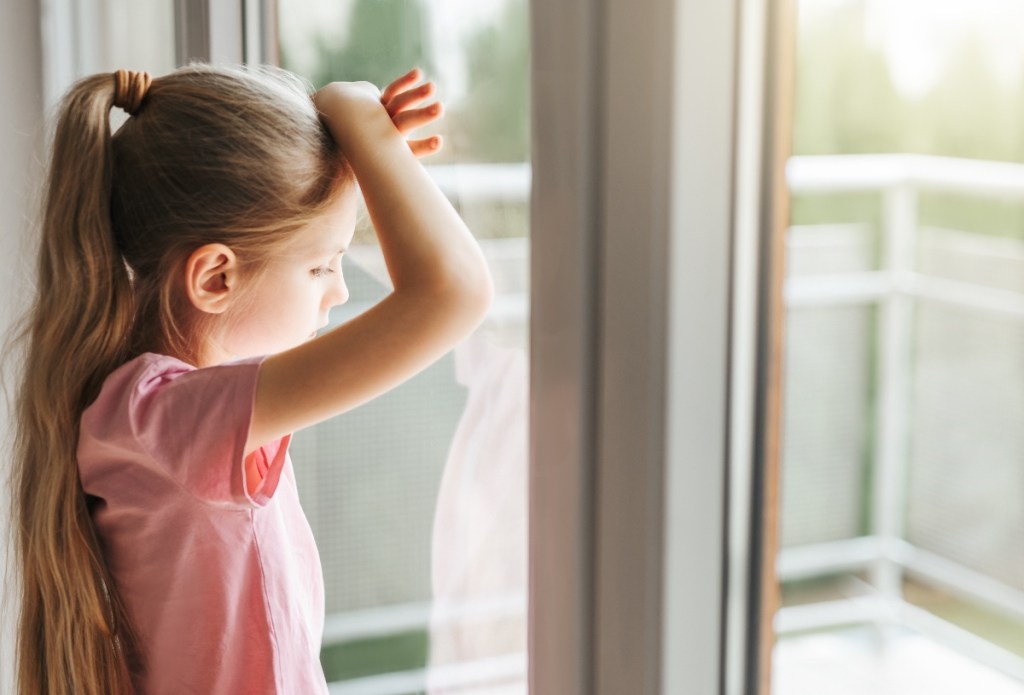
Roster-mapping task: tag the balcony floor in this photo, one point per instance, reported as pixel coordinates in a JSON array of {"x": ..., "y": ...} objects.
[{"x": 858, "y": 661}]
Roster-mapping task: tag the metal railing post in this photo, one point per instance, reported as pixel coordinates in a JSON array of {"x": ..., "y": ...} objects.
[{"x": 899, "y": 227}]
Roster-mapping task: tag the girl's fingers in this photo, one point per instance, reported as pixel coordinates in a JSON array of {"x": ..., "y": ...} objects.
[
  {"x": 409, "y": 98},
  {"x": 400, "y": 99},
  {"x": 408, "y": 121},
  {"x": 426, "y": 146},
  {"x": 409, "y": 78}
]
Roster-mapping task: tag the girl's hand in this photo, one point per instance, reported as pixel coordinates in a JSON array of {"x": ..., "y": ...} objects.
[
  {"x": 401, "y": 98},
  {"x": 347, "y": 107}
]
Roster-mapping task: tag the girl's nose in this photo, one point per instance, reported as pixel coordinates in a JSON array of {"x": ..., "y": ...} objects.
[{"x": 338, "y": 294}]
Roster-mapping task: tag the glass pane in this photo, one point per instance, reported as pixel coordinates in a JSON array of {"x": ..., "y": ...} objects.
[
  {"x": 113, "y": 34},
  {"x": 418, "y": 499},
  {"x": 902, "y": 524}
]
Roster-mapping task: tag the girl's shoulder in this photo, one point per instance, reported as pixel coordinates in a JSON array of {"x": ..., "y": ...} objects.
[
  {"x": 147, "y": 368},
  {"x": 158, "y": 413},
  {"x": 149, "y": 363},
  {"x": 148, "y": 375}
]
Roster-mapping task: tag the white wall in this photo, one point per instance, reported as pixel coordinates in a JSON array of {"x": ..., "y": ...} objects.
[{"x": 21, "y": 108}]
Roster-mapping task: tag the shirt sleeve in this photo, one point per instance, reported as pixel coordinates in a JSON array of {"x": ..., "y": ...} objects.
[{"x": 194, "y": 424}]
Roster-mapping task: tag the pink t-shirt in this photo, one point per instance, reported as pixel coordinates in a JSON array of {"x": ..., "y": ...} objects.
[{"x": 224, "y": 590}]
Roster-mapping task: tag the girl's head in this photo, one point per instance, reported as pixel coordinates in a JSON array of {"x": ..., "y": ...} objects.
[
  {"x": 207, "y": 226},
  {"x": 216, "y": 179}
]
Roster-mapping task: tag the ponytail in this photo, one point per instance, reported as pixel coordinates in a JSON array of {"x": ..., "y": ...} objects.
[{"x": 73, "y": 634}]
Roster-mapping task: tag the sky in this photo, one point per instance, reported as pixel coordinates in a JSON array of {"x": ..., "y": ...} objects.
[{"x": 920, "y": 37}]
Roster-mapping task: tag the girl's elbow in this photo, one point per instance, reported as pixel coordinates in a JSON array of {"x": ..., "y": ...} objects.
[
  {"x": 463, "y": 289},
  {"x": 476, "y": 292},
  {"x": 485, "y": 290}
]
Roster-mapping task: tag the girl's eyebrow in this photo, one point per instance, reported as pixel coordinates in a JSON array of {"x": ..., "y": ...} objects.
[{"x": 326, "y": 251}]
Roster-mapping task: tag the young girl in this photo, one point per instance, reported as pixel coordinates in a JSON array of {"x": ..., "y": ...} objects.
[{"x": 185, "y": 267}]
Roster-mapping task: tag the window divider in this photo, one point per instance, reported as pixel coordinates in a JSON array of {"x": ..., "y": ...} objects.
[
  {"x": 633, "y": 234},
  {"x": 210, "y": 31}
]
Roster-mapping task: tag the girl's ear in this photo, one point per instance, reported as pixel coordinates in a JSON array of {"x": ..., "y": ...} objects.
[{"x": 211, "y": 278}]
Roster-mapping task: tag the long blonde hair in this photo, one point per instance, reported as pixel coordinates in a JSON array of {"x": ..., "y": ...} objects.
[{"x": 230, "y": 155}]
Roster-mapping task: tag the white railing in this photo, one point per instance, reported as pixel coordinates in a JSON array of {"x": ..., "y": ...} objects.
[
  {"x": 899, "y": 179},
  {"x": 472, "y": 676},
  {"x": 889, "y": 172},
  {"x": 894, "y": 288},
  {"x": 424, "y": 616}
]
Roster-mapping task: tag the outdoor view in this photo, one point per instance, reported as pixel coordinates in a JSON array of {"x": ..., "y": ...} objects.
[
  {"x": 421, "y": 522},
  {"x": 902, "y": 519}
]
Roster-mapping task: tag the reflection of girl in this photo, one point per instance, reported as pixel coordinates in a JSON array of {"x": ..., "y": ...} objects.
[
  {"x": 160, "y": 537},
  {"x": 479, "y": 546}
]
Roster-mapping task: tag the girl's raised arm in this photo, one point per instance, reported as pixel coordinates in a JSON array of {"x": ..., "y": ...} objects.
[{"x": 442, "y": 287}]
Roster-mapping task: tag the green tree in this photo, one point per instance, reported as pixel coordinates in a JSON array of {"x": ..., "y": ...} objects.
[
  {"x": 847, "y": 103},
  {"x": 845, "y": 100},
  {"x": 385, "y": 39},
  {"x": 492, "y": 124}
]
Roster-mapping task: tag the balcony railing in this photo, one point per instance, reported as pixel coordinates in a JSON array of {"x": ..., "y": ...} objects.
[{"x": 894, "y": 288}]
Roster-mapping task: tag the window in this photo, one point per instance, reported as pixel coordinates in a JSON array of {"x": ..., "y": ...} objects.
[
  {"x": 418, "y": 499},
  {"x": 633, "y": 162}
]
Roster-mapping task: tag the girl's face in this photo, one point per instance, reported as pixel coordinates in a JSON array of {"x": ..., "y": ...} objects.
[{"x": 290, "y": 301}]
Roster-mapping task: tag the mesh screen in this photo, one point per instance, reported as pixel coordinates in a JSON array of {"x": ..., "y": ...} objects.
[
  {"x": 982, "y": 260},
  {"x": 369, "y": 479},
  {"x": 967, "y": 439},
  {"x": 825, "y": 422}
]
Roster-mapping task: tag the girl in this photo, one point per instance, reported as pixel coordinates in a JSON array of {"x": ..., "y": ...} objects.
[{"x": 185, "y": 267}]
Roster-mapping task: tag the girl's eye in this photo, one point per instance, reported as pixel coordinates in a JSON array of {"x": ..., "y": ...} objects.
[{"x": 320, "y": 272}]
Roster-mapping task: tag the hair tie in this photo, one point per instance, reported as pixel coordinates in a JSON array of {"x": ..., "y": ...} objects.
[{"x": 130, "y": 89}]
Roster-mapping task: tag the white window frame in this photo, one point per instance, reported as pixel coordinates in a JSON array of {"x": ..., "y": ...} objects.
[
  {"x": 240, "y": 31},
  {"x": 650, "y": 201}
]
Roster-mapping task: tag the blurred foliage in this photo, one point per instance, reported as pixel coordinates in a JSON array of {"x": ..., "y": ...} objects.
[
  {"x": 386, "y": 38},
  {"x": 493, "y": 123},
  {"x": 407, "y": 651},
  {"x": 846, "y": 103}
]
